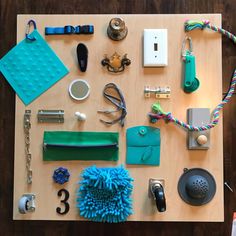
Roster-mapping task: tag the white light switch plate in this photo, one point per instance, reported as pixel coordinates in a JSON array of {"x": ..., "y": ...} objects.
[{"x": 155, "y": 50}]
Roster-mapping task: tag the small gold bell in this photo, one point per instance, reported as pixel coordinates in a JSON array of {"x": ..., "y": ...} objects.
[{"x": 117, "y": 29}]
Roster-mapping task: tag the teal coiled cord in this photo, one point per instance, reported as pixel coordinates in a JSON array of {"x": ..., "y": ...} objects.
[{"x": 158, "y": 112}]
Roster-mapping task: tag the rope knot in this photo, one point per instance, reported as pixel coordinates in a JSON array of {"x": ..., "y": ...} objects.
[
  {"x": 190, "y": 25},
  {"x": 205, "y": 23},
  {"x": 168, "y": 117}
]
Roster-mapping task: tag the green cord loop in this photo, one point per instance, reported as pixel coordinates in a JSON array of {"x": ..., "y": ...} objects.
[{"x": 156, "y": 107}]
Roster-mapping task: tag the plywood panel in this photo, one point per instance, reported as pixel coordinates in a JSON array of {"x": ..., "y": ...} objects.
[{"x": 174, "y": 154}]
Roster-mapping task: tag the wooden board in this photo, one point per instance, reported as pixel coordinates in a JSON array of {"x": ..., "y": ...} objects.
[{"x": 174, "y": 154}]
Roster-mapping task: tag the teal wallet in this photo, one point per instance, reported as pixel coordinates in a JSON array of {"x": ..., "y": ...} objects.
[
  {"x": 66, "y": 146},
  {"x": 143, "y": 145}
]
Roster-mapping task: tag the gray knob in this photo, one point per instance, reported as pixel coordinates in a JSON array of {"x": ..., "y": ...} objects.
[{"x": 117, "y": 29}]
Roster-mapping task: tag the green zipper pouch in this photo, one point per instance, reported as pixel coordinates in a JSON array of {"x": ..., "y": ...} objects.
[
  {"x": 143, "y": 146},
  {"x": 66, "y": 146}
]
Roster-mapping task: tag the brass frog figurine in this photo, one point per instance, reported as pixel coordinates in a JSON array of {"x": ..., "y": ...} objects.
[{"x": 115, "y": 63}]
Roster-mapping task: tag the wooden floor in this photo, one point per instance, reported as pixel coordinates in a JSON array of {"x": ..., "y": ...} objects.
[{"x": 8, "y": 11}]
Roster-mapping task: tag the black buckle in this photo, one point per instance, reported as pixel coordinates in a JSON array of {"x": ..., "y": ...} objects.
[
  {"x": 87, "y": 29},
  {"x": 69, "y": 29},
  {"x": 77, "y": 29},
  {"x": 84, "y": 29}
]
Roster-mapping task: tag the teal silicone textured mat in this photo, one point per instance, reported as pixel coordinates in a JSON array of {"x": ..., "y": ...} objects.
[{"x": 31, "y": 68}]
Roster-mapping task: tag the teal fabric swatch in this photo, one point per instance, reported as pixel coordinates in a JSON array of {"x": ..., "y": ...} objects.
[{"x": 143, "y": 145}]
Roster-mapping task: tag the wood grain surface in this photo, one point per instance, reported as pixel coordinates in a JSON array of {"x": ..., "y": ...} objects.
[
  {"x": 174, "y": 156},
  {"x": 8, "y": 11}
]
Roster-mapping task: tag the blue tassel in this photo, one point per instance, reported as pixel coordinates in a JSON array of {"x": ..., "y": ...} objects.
[{"x": 104, "y": 194}]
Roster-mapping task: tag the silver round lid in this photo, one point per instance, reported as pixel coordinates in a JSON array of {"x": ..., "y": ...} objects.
[{"x": 79, "y": 89}]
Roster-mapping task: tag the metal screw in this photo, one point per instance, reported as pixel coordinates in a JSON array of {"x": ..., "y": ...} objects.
[{"x": 226, "y": 184}]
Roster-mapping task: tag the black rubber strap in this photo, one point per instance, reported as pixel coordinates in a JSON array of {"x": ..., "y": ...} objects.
[{"x": 82, "y": 55}]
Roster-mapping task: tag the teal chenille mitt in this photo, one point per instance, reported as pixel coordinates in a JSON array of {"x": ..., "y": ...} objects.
[{"x": 104, "y": 194}]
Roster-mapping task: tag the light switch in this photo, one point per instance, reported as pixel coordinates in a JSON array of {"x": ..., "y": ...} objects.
[{"x": 155, "y": 51}]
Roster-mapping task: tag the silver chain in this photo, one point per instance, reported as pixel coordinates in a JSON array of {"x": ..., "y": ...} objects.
[{"x": 27, "y": 126}]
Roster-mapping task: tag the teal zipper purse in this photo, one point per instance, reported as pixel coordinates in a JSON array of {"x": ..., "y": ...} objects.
[{"x": 65, "y": 146}]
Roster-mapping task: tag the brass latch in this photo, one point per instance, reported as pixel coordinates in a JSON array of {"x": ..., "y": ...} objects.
[
  {"x": 51, "y": 116},
  {"x": 160, "y": 92}
]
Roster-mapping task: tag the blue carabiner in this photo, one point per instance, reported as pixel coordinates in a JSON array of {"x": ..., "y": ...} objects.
[{"x": 27, "y": 31}]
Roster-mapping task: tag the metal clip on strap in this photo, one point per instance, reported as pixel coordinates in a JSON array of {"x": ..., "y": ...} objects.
[
  {"x": 27, "y": 31},
  {"x": 190, "y": 51},
  {"x": 68, "y": 29}
]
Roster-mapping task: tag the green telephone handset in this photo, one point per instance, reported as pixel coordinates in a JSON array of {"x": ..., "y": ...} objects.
[{"x": 191, "y": 83}]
